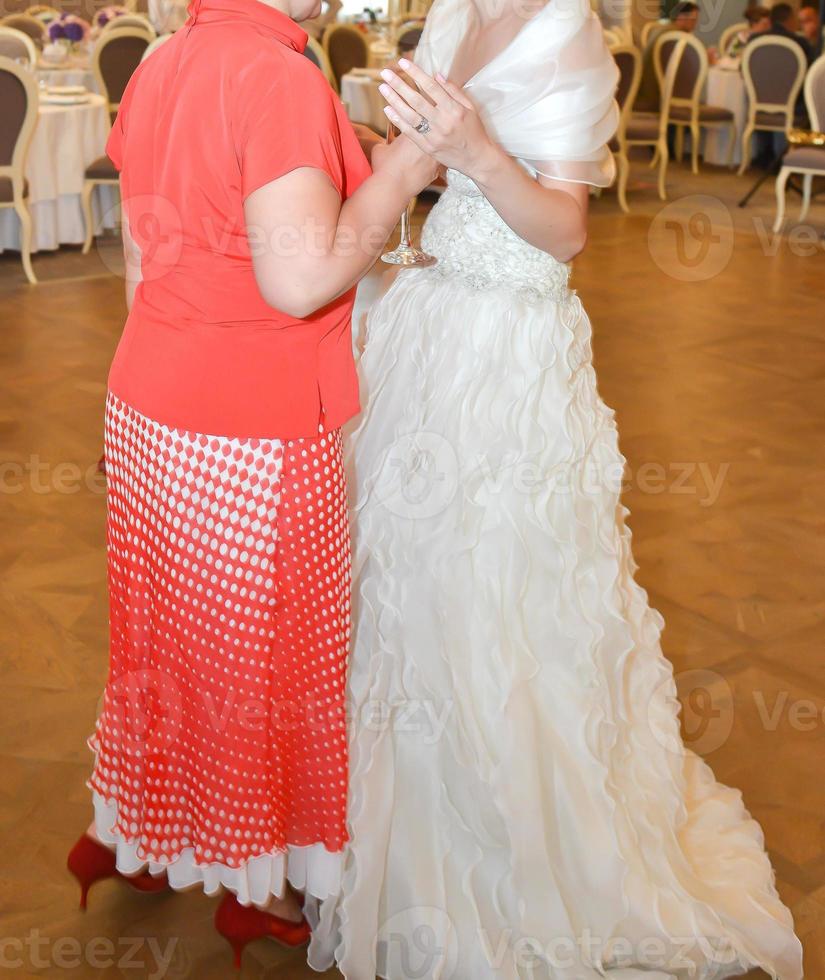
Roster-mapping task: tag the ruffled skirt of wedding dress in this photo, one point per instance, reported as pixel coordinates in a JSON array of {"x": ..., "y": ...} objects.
[{"x": 522, "y": 805}]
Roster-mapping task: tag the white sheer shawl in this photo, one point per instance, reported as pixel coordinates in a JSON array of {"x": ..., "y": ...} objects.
[{"x": 548, "y": 98}]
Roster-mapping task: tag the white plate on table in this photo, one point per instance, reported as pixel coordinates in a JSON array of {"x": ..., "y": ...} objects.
[
  {"x": 51, "y": 98},
  {"x": 66, "y": 90}
]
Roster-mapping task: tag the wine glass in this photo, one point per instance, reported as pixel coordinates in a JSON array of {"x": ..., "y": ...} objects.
[{"x": 405, "y": 253}]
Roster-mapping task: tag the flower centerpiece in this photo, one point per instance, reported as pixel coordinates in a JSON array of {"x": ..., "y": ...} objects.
[
  {"x": 66, "y": 33},
  {"x": 102, "y": 17}
]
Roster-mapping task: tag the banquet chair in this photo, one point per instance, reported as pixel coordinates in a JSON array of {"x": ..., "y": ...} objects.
[
  {"x": 729, "y": 35},
  {"x": 650, "y": 94},
  {"x": 129, "y": 20},
  {"x": 650, "y": 128},
  {"x": 31, "y": 26},
  {"x": 40, "y": 10},
  {"x": 808, "y": 161},
  {"x": 18, "y": 112},
  {"x": 773, "y": 69},
  {"x": 316, "y": 54},
  {"x": 15, "y": 44},
  {"x": 648, "y": 31},
  {"x": 687, "y": 111},
  {"x": 346, "y": 48},
  {"x": 159, "y": 40},
  {"x": 407, "y": 25},
  {"x": 115, "y": 57},
  {"x": 628, "y": 59},
  {"x": 408, "y": 40}
]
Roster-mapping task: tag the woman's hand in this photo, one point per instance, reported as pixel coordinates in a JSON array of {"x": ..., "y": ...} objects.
[
  {"x": 456, "y": 137},
  {"x": 405, "y": 163}
]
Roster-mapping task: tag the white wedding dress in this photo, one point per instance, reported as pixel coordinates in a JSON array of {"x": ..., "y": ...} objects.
[{"x": 522, "y": 805}]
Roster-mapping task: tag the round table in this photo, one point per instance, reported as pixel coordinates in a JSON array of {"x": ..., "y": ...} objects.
[
  {"x": 382, "y": 53},
  {"x": 75, "y": 70},
  {"x": 66, "y": 139},
  {"x": 726, "y": 88},
  {"x": 54, "y": 75},
  {"x": 364, "y": 103}
]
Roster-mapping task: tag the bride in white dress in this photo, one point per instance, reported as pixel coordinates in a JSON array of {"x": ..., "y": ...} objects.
[{"x": 522, "y": 805}]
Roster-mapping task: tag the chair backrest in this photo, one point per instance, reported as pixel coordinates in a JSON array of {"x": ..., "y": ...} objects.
[
  {"x": 628, "y": 60},
  {"x": 815, "y": 94},
  {"x": 18, "y": 116},
  {"x": 129, "y": 20},
  {"x": 28, "y": 25},
  {"x": 318, "y": 56},
  {"x": 15, "y": 44},
  {"x": 773, "y": 68},
  {"x": 692, "y": 67},
  {"x": 729, "y": 35},
  {"x": 159, "y": 40},
  {"x": 346, "y": 48},
  {"x": 408, "y": 39},
  {"x": 668, "y": 86},
  {"x": 40, "y": 10},
  {"x": 648, "y": 29},
  {"x": 115, "y": 58}
]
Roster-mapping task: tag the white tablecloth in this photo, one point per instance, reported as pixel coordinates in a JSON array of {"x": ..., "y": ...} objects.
[
  {"x": 65, "y": 141},
  {"x": 727, "y": 89},
  {"x": 363, "y": 101}
]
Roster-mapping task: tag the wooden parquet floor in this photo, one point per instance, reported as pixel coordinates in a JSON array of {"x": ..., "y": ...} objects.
[{"x": 708, "y": 340}]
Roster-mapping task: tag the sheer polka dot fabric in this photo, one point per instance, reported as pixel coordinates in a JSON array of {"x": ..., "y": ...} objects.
[{"x": 223, "y": 726}]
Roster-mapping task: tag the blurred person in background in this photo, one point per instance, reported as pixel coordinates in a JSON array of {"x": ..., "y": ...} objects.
[
  {"x": 784, "y": 23},
  {"x": 685, "y": 17},
  {"x": 810, "y": 24},
  {"x": 758, "y": 20}
]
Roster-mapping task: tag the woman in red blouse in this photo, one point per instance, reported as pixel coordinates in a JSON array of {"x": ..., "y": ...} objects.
[{"x": 250, "y": 212}]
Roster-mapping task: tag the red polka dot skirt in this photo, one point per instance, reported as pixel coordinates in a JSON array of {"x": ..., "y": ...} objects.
[{"x": 221, "y": 746}]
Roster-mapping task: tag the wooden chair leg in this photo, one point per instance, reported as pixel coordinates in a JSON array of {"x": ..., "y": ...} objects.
[
  {"x": 731, "y": 143},
  {"x": 807, "y": 184},
  {"x": 781, "y": 182},
  {"x": 695, "y": 137},
  {"x": 663, "y": 155},
  {"x": 621, "y": 182},
  {"x": 655, "y": 158},
  {"x": 747, "y": 136},
  {"x": 22, "y": 210},
  {"x": 86, "y": 204}
]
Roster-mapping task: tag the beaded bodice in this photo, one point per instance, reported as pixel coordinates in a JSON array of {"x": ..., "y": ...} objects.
[{"x": 473, "y": 243}]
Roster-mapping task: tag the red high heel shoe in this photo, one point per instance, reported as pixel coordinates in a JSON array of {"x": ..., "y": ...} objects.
[
  {"x": 90, "y": 861},
  {"x": 240, "y": 924}
]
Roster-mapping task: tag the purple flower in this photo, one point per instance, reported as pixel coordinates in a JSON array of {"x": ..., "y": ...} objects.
[
  {"x": 57, "y": 30},
  {"x": 73, "y": 32},
  {"x": 102, "y": 19}
]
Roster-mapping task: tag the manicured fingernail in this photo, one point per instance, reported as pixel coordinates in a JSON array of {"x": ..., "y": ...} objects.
[
  {"x": 384, "y": 89},
  {"x": 404, "y": 63},
  {"x": 386, "y": 73},
  {"x": 389, "y": 113}
]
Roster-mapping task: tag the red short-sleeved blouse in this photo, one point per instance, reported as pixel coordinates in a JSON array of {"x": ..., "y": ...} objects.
[{"x": 227, "y": 105}]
